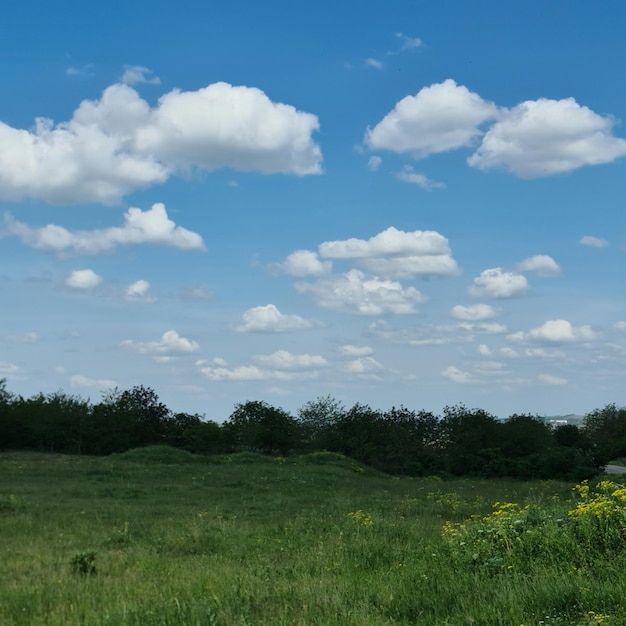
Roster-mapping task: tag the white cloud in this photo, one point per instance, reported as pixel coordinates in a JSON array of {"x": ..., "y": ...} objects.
[
  {"x": 441, "y": 117},
  {"x": 138, "y": 292},
  {"x": 548, "y": 379},
  {"x": 457, "y": 376},
  {"x": 252, "y": 373},
  {"x": 373, "y": 163},
  {"x": 83, "y": 279},
  {"x": 284, "y": 360},
  {"x": 474, "y": 312},
  {"x": 171, "y": 341},
  {"x": 496, "y": 283},
  {"x": 408, "y": 175},
  {"x": 227, "y": 126},
  {"x": 304, "y": 263},
  {"x": 8, "y": 369},
  {"x": 30, "y": 337},
  {"x": 355, "y": 351},
  {"x": 85, "y": 71},
  {"x": 593, "y": 242},
  {"x": 375, "y": 63},
  {"x": 362, "y": 365},
  {"x": 411, "y": 266},
  {"x": 409, "y": 43},
  {"x": 268, "y": 319},
  {"x": 422, "y": 335},
  {"x": 541, "y": 264},
  {"x": 196, "y": 293},
  {"x": 119, "y": 144},
  {"x": 620, "y": 326},
  {"x": 78, "y": 380},
  {"x": 541, "y": 353},
  {"x": 561, "y": 331},
  {"x": 353, "y": 292},
  {"x": 487, "y": 328},
  {"x": 134, "y": 74},
  {"x": 544, "y": 137},
  {"x": 390, "y": 242},
  {"x": 152, "y": 226}
]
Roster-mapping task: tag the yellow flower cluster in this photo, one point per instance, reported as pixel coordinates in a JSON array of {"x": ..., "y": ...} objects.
[
  {"x": 608, "y": 502},
  {"x": 362, "y": 518}
]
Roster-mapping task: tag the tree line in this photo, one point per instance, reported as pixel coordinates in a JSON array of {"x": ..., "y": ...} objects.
[{"x": 400, "y": 441}]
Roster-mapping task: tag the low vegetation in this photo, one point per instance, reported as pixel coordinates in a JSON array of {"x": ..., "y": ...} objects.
[{"x": 159, "y": 536}]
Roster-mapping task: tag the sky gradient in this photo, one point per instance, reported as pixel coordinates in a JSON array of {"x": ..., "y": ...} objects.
[{"x": 415, "y": 203}]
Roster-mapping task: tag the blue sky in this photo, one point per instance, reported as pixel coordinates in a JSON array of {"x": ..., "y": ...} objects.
[{"x": 414, "y": 203}]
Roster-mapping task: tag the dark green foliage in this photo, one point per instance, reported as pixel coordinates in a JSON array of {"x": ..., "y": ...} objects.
[
  {"x": 399, "y": 441},
  {"x": 84, "y": 563},
  {"x": 258, "y": 426},
  {"x": 606, "y": 428}
]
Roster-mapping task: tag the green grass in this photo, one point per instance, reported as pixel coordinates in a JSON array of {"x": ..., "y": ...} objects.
[{"x": 177, "y": 539}]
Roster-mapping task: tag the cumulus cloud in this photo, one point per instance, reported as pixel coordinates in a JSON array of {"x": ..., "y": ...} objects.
[
  {"x": 541, "y": 264},
  {"x": 171, "y": 341},
  {"x": 221, "y": 372},
  {"x": 77, "y": 380},
  {"x": 118, "y": 144},
  {"x": 268, "y": 319},
  {"x": 353, "y": 292},
  {"x": 304, "y": 263},
  {"x": 395, "y": 253},
  {"x": 355, "y": 351},
  {"x": 593, "y": 242},
  {"x": 474, "y": 312},
  {"x": 362, "y": 365},
  {"x": 83, "y": 279},
  {"x": 441, "y": 117},
  {"x": 544, "y": 137},
  {"x": 496, "y": 283},
  {"x": 390, "y": 242},
  {"x": 8, "y": 369},
  {"x": 408, "y": 175},
  {"x": 138, "y": 292},
  {"x": 134, "y": 74},
  {"x": 284, "y": 360},
  {"x": 152, "y": 226},
  {"x": 455, "y": 375},
  {"x": 561, "y": 331}
]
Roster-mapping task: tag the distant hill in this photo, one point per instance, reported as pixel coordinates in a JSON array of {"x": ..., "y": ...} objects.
[{"x": 572, "y": 418}]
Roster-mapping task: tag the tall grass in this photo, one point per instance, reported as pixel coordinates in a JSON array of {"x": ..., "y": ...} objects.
[{"x": 178, "y": 539}]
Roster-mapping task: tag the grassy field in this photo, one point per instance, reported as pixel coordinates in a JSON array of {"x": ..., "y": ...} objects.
[{"x": 161, "y": 537}]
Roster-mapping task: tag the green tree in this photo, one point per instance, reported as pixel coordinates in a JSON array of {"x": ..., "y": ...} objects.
[
  {"x": 258, "y": 426},
  {"x": 606, "y": 428},
  {"x": 317, "y": 419}
]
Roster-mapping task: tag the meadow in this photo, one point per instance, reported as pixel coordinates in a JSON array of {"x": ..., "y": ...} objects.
[{"x": 159, "y": 536}]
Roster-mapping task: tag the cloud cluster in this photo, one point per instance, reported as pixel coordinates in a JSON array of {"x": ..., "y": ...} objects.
[
  {"x": 354, "y": 292},
  {"x": 82, "y": 279},
  {"x": 170, "y": 342},
  {"x": 118, "y": 144},
  {"x": 152, "y": 226},
  {"x": 441, "y": 117},
  {"x": 536, "y": 138},
  {"x": 268, "y": 319},
  {"x": 281, "y": 365},
  {"x": 498, "y": 284}
]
